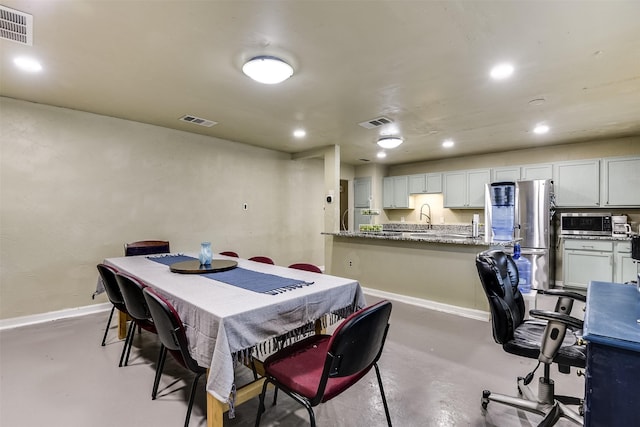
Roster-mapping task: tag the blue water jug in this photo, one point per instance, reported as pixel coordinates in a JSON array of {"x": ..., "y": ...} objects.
[{"x": 524, "y": 270}]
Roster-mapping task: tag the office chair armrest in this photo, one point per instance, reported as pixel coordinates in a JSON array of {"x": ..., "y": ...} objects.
[
  {"x": 561, "y": 293},
  {"x": 559, "y": 317}
]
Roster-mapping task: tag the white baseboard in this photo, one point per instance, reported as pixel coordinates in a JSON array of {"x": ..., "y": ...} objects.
[
  {"x": 432, "y": 305},
  {"x": 17, "y": 322}
]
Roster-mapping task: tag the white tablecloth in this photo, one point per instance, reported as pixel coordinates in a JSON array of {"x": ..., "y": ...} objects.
[{"x": 222, "y": 320}]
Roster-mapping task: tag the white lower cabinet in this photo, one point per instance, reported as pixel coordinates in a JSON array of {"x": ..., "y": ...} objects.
[{"x": 601, "y": 260}]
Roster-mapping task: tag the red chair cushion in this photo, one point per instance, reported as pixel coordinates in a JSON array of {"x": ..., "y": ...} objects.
[{"x": 299, "y": 368}]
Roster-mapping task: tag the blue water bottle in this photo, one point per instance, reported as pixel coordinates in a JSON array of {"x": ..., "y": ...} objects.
[{"x": 524, "y": 270}]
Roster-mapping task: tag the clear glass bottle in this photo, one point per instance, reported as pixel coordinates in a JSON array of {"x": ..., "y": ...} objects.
[{"x": 205, "y": 253}]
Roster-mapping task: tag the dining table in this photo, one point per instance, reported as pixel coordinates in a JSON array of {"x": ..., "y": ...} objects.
[{"x": 242, "y": 313}]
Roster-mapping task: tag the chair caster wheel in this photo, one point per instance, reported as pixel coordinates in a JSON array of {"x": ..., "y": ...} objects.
[{"x": 485, "y": 399}]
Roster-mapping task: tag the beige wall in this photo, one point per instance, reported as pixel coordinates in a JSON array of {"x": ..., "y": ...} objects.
[{"x": 75, "y": 186}]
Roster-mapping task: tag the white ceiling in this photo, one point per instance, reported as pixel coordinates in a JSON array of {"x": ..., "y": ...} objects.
[{"x": 424, "y": 64}]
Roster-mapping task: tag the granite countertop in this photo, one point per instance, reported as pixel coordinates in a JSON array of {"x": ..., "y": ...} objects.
[{"x": 606, "y": 238}]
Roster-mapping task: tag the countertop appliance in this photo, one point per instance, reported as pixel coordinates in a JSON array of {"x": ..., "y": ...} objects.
[
  {"x": 531, "y": 216},
  {"x": 619, "y": 226},
  {"x": 586, "y": 224}
]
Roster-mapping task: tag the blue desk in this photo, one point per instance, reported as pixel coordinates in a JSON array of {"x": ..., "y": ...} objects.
[{"x": 612, "y": 388}]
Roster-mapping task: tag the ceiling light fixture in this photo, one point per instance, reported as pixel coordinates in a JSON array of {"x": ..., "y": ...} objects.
[
  {"x": 390, "y": 142},
  {"x": 541, "y": 129},
  {"x": 27, "y": 64},
  {"x": 299, "y": 133},
  {"x": 501, "y": 71},
  {"x": 381, "y": 154},
  {"x": 448, "y": 143},
  {"x": 267, "y": 69}
]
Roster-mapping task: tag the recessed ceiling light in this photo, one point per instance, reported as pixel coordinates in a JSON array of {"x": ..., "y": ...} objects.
[
  {"x": 541, "y": 129},
  {"x": 27, "y": 64},
  {"x": 381, "y": 154},
  {"x": 390, "y": 142},
  {"x": 501, "y": 71},
  {"x": 267, "y": 69},
  {"x": 299, "y": 133},
  {"x": 448, "y": 143}
]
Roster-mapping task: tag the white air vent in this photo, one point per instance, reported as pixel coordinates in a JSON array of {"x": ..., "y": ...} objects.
[
  {"x": 16, "y": 26},
  {"x": 198, "y": 121},
  {"x": 377, "y": 122}
]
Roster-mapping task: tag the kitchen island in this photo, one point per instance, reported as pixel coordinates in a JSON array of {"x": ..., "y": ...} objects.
[{"x": 436, "y": 266}]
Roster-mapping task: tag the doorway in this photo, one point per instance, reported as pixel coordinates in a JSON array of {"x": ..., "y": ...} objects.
[{"x": 344, "y": 204}]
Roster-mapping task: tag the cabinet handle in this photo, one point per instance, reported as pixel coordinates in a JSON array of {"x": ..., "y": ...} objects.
[{"x": 587, "y": 246}]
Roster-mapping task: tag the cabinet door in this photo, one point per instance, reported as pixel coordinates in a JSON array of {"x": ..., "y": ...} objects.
[
  {"x": 387, "y": 192},
  {"x": 476, "y": 181},
  {"x": 577, "y": 183},
  {"x": 511, "y": 173},
  {"x": 622, "y": 181},
  {"x": 401, "y": 192},
  {"x": 362, "y": 192},
  {"x": 626, "y": 269},
  {"x": 455, "y": 189},
  {"x": 417, "y": 184},
  {"x": 581, "y": 267},
  {"x": 537, "y": 172},
  {"x": 434, "y": 182}
]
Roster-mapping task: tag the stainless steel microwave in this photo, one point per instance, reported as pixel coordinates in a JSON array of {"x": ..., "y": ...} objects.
[{"x": 586, "y": 224}]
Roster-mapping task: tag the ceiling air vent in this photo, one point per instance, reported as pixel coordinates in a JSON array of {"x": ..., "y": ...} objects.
[
  {"x": 16, "y": 26},
  {"x": 198, "y": 121},
  {"x": 377, "y": 122}
]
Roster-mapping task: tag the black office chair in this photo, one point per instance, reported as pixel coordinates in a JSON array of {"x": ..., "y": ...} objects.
[
  {"x": 320, "y": 367},
  {"x": 174, "y": 338},
  {"x": 555, "y": 339}
]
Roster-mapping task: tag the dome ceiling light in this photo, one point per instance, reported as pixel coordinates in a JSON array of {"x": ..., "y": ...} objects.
[
  {"x": 267, "y": 69},
  {"x": 390, "y": 142}
]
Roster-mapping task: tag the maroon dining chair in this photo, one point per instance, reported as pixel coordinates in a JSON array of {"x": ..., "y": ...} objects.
[
  {"x": 306, "y": 267},
  {"x": 262, "y": 259},
  {"x": 230, "y": 253},
  {"x": 321, "y": 367},
  {"x": 146, "y": 247},
  {"x": 174, "y": 338},
  {"x": 108, "y": 276},
  {"x": 132, "y": 291}
]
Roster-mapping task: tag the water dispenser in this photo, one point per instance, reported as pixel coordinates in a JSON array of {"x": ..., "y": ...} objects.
[{"x": 503, "y": 199}]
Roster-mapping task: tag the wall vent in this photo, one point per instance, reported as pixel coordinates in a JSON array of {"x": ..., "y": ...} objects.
[
  {"x": 198, "y": 121},
  {"x": 377, "y": 122},
  {"x": 16, "y": 26}
]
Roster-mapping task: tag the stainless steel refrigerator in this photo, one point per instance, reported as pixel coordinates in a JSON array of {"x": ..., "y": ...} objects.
[{"x": 531, "y": 206}]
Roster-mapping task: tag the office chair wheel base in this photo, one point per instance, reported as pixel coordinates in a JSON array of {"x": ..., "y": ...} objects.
[{"x": 485, "y": 399}]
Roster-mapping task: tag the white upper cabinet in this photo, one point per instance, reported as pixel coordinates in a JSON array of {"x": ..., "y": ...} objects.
[
  {"x": 542, "y": 171},
  {"x": 505, "y": 174},
  {"x": 425, "y": 183},
  {"x": 465, "y": 189},
  {"x": 395, "y": 192},
  {"x": 362, "y": 192},
  {"x": 577, "y": 183},
  {"x": 621, "y": 181}
]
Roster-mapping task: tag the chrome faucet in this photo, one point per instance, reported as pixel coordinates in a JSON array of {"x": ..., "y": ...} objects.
[{"x": 423, "y": 214}]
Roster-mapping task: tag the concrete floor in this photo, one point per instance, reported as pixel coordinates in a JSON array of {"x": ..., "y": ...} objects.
[{"x": 434, "y": 368}]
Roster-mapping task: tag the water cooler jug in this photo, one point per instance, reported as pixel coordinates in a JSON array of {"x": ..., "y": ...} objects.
[{"x": 503, "y": 199}]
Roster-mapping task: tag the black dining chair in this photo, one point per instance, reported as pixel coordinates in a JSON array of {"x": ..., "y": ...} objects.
[
  {"x": 146, "y": 247},
  {"x": 108, "y": 276},
  {"x": 321, "y": 367},
  {"x": 132, "y": 291},
  {"x": 306, "y": 267},
  {"x": 174, "y": 338},
  {"x": 262, "y": 259}
]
